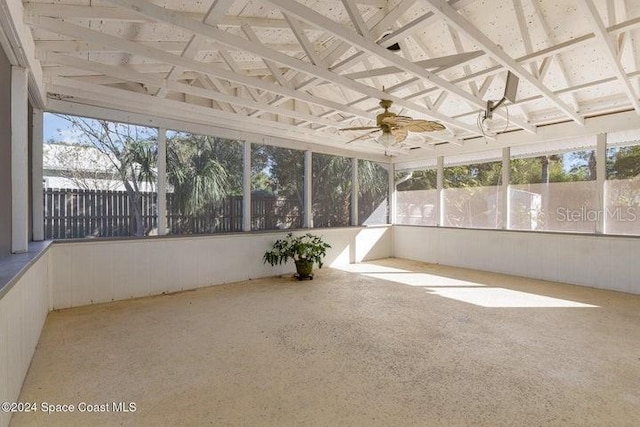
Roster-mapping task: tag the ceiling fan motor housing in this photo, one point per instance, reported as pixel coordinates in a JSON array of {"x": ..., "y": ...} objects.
[{"x": 386, "y": 104}]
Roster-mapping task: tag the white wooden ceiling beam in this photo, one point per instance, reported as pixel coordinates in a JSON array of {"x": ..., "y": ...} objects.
[
  {"x": 303, "y": 40},
  {"x": 218, "y": 95},
  {"x": 388, "y": 21},
  {"x": 101, "y": 13},
  {"x": 419, "y": 84},
  {"x": 159, "y": 14},
  {"x": 380, "y": 25},
  {"x": 166, "y": 45},
  {"x": 73, "y": 30},
  {"x": 356, "y": 18},
  {"x": 314, "y": 18},
  {"x": 233, "y": 65},
  {"x": 443, "y": 61},
  {"x": 214, "y": 15},
  {"x": 334, "y": 51},
  {"x": 18, "y": 43},
  {"x": 272, "y": 66},
  {"x": 607, "y": 43},
  {"x": 548, "y": 33},
  {"x": 635, "y": 58},
  {"x": 215, "y": 85},
  {"x": 457, "y": 43},
  {"x": 524, "y": 33},
  {"x": 419, "y": 23},
  {"x": 528, "y": 48},
  {"x": 541, "y": 54},
  {"x": 131, "y": 100},
  {"x": 445, "y": 11},
  {"x": 420, "y": 94}
]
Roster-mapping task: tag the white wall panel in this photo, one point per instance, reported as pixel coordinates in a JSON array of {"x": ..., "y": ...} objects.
[
  {"x": 23, "y": 311},
  {"x": 372, "y": 243},
  {"x": 606, "y": 262},
  {"x": 89, "y": 272}
]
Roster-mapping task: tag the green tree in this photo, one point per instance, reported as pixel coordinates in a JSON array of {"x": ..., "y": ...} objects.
[
  {"x": 132, "y": 153},
  {"x": 373, "y": 185},
  {"x": 277, "y": 187},
  {"x": 418, "y": 180},
  {"x": 202, "y": 171},
  {"x": 623, "y": 162},
  {"x": 623, "y": 167}
]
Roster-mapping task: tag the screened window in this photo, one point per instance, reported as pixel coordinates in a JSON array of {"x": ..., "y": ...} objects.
[
  {"x": 332, "y": 185},
  {"x": 471, "y": 197},
  {"x": 622, "y": 189},
  {"x": 373, "y": 193},
  {"x": 416, "y": 197},
  {"x": 277, "y": 188},
  {"x": 204, "y": 184},
  {"x": 554, "y": 192},
  {"x": 99, "y": 178}
]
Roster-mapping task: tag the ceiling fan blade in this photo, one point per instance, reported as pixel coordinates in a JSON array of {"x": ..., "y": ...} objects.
[
  {"x": 413, "y": 125},
  {"x": 423, "y": 126},
  {"x": 396, "y": 120},
  {"x": 366, "y": 135},
  {"x": 362, "y": 128}
]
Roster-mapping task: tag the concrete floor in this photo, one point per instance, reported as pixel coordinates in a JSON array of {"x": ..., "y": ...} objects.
[{"x": 388, "y": 343}]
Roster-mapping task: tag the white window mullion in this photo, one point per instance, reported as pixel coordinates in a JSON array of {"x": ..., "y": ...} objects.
[
  {"x": 19, "y": 161},
  {"x": 308, "y": 203},
  {"x": 246, "y": 187},
  {"x": 37, "y": 198},
  {"x": 162, "y": 182}
]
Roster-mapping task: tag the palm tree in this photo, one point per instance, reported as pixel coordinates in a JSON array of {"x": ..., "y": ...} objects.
[
  {"x": 373, "y": 182},
  {"x": 198, "y": 177}
]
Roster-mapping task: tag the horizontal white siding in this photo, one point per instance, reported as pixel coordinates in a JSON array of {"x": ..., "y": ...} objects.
[
  {"x": 91, "y": 272},
  {"x": 604, "y": 262},
  {"x": 23, "y": 311}
]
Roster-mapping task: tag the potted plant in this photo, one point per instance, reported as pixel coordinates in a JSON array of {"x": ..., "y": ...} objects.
[{"x": 305, "y": 250}]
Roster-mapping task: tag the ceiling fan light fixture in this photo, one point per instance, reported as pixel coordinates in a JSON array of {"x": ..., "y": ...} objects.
[
  {"x": 488, "y": 126},
  {"x": 386, "y": 139}
]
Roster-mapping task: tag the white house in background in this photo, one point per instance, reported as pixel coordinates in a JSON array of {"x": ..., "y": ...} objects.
[{"x": 74, "y": 166}]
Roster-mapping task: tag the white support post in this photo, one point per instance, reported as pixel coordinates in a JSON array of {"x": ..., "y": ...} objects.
[
  {"x": 37, "y": 201},
  {"x": 162, "y": 182},
  {"x": 506, "y": 179},
  {"x": 19, "y": 161},
  {"x": 355, "y": 189},
  {"x": 392, "y": 194},
  {"x": 440, "y": 190},
  {"x": 308, "y": 203},
  {"x": 601, "y": 177},
  {"x": 246, "y": 187}
]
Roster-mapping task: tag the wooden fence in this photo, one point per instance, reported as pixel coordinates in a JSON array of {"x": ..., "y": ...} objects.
[{"x": 75, "y": 213}]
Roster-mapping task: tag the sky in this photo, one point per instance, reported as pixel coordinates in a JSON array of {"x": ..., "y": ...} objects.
[{"x": 53, "y": 124}]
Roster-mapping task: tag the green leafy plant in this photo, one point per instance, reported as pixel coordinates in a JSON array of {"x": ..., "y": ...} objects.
[{"x": 306, "y": 247}]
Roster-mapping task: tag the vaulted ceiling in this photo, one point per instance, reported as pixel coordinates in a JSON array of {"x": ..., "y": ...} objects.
[{"x": 303, "y": 70}]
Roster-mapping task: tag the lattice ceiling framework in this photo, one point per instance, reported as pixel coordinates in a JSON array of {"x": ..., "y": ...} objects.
[{"x": 302, "y": 70}]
